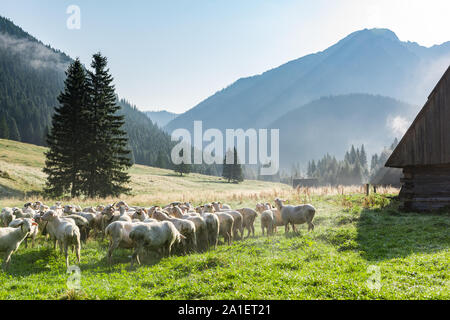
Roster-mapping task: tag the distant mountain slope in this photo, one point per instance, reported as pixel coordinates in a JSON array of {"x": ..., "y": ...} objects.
[
  {"x": 32, "y": 76},
  {"x": 332, "y": 124},
  {"x": 161, "y": 118},
  {"x": 369, "y": 61}
]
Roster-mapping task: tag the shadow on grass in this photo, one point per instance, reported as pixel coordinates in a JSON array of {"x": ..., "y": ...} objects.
[
  {"x": 7, "y": 192},
  {"x": 388, "y": 233}
]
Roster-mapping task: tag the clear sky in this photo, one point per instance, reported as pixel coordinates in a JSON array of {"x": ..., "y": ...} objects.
[{"x": 173, "y": 54}]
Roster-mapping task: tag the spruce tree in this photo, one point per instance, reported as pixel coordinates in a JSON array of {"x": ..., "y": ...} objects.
[
  {"x": 227, "y": 169},
  {"x": 67, "y": 136},
  {"x": 182, "y": 167},
  {"x": 105, "y": 168},
  {"x": 237, "y": 174}
]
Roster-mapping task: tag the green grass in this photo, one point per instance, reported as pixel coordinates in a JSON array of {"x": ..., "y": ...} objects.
[{"x": 352, "y": 233}]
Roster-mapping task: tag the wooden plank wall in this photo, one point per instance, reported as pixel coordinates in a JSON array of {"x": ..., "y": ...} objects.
[{"x": 426, "y": 188}]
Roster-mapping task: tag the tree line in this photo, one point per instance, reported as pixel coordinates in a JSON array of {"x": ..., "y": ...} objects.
[{"x": 350, "y": 171}]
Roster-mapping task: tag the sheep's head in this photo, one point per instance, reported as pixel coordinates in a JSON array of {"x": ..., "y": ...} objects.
[
  {"x": 28, "y": 204},
  {"x": 260, "y": 207},
  {"x": 279, "y": 203},
  {"x": 27, "y": 225},
  {"x": 209, "y": 208},
  {"x": 109, "y": 210},
  {"x": 49, "y": 215}
]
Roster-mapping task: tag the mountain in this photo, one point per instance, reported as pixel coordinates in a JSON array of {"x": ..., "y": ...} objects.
[
  {"x": 161, "y": 118},
  {"x": 371, "y": 61},
  {"x": 32, "y": 76},
  {"x": 332, "y": 124}
]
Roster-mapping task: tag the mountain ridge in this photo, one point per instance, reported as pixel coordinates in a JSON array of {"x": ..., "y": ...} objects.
[{"x": 372, "y": 61}]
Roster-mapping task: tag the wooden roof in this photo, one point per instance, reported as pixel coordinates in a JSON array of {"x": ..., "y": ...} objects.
[{"x": 427, "y": 141}]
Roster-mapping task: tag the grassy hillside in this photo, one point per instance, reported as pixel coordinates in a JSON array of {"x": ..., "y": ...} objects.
[{"x": 21, "y": 177}]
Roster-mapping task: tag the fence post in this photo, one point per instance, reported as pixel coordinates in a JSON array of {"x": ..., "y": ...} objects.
[
  {"x": 367, "y": 189},
  {"x": 374, "y": 189}
]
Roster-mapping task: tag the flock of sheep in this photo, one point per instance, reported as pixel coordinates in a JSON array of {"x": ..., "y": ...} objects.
[{"x": 176, "y": 228}]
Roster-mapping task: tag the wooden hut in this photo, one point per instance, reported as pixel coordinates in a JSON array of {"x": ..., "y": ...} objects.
[{"x": 424, "y": 154}]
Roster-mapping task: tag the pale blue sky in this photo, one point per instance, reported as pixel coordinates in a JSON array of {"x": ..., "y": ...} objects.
[{"x": 173, "y": 54}]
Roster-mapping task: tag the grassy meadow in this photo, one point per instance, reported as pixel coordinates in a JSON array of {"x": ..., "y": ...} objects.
[{"x": 361, "y": 248}]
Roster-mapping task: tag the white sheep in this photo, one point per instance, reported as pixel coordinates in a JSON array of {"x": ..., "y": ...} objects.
[
  {"x": 213, "y": 226},
  {"x": 6, "y": 216},
  {"x": 154, "y": 236},
  {"x": 267, "y": 222},
  {"x": 296, "y": 215},
  {"x": 118, "y": 233},
  {"x": 226, "y": 223},
  {"x": 33, "y": 232},
  {"x": 248, "y": 220},
  {"x": 11, "y": 238},
  {"x": 185, "y": 227},
  {"x": 65, "y": 232}
]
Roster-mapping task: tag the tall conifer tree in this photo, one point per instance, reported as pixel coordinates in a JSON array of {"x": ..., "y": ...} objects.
[
  {"x": 105, "y": 168},
  {"x": 67, "y": 136}
]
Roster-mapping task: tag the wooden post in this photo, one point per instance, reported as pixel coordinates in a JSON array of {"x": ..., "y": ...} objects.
[
  {"x": 374, "y": 189},
  {"x": 367, "y": 189}
]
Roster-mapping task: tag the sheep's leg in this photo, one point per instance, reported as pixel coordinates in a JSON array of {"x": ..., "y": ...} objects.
[
  {"x": 135, "y": 256},
  {"x": 33, "y": 241},
  {"x": 66, "y": 253},
  {"x": 310, "y": 226},
  {"x": 112, "y": 246},
  {"x": 77, "y": 251},
  {"x": 294, "y": 228},
  {"x": 253, "y": 231},
  {"x": 262, "y": 229},
  {"x": 7, "y": 259},
  {"x": 286, "y": 228}
]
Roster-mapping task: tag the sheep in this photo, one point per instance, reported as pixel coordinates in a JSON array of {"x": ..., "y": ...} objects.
[
  {"x": 118, "y": 233},
  {"x": 65, "y": 232},
  {"x": 154, "y": 236},
  {"x": 11, "y": 238},
  {"x": 201, "y": 231},
  {"x": 109, "y": 215},
  {"x": 248, "y": 216},
  {"x": 82, "y": 224},
  {"x": 267, "y": 222},
  {"x": 24, "y": 213},
  {"x": 185, "y": 227},
  {"x": 218, "y": 206},
  {"x": 37, "y": 205},
  {"x": 212, "y": 225},
  {"x": 6, "y": 216},
  {"x": 261, "y": 207},
  {"x": 226, "y": 223},
  {"x": 296, "y": 215},
  {"x": 33, "y": 232},
  {"x": 237, "y": 224},
  {"x": 237, "y": 216},
  {"x": 140, "y": 214}
]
